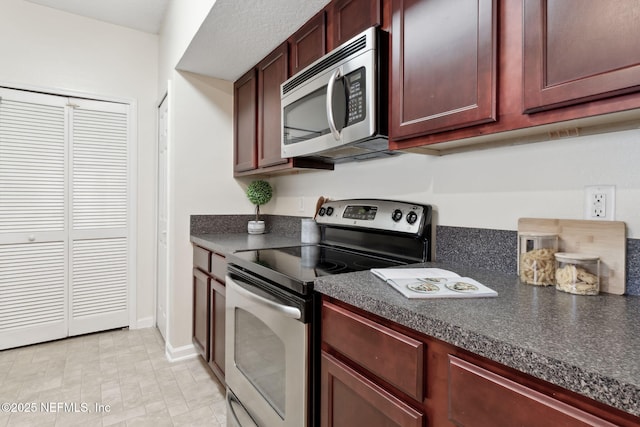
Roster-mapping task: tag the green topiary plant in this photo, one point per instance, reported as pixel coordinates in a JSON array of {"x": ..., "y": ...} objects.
[{"x": 259, "y": 193}]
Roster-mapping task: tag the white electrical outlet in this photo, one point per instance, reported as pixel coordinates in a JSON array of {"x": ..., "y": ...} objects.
[
  {"x": 600, "y": 202},
  {"x": 301, "y": 204}
]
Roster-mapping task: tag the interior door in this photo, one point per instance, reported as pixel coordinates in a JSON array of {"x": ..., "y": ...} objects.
[
  {"x": 33, "y": 255},
  {"x": 65, "y": 216},
  {"x": 162, "y": 257},
  {"x": 99, "y": 200}
]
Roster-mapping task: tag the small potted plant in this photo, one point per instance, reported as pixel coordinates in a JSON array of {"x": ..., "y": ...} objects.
[{"x": 258, "y": 192}]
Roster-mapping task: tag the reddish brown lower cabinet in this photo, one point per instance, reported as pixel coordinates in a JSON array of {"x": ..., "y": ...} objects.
[
  {"x": 390, "y": 355},
  {"x": 201, "y": 308},
  {"x": 350, "y": 399},
  {"x": 216, "y": 328},
  {"x": 209, "y": 292},
  {"x": 375, "y": 372},
  {"x": 480, "y": 398}
]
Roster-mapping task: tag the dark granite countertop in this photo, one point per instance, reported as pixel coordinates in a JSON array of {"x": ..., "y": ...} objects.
[
  {"x": 587, "y": 344},
  {"x": 228, "y": 243}
]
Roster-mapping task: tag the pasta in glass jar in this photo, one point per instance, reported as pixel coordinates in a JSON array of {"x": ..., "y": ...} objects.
[{"x": 536, "y": 252}]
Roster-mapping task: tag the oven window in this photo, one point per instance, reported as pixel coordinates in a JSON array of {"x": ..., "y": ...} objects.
[{"x": 260, "y": 356}]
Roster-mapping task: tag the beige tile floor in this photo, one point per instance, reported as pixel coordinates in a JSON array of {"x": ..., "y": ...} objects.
[{"x": 114, "y": 378}]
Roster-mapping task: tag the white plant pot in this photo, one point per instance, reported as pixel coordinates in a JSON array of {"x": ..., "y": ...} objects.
[{"x": 255, "y": 227}]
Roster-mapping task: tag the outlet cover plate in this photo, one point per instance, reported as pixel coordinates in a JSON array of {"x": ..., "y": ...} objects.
[{"x": 600, "y": 202}]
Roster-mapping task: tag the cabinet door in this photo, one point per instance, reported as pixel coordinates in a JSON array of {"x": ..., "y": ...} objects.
[
  {"x": 579, "y": 50},
  {"x": 308, "y": 43},
  {"x": 201, "y": 309},
  {"x": 388, "y": 354},
  {"x": 217, "y": 325},
  {"x": 479, "y": 398},
  {"x": 349, "y": 399},
  {"x": 245, "y": 122},
  {"x": 350, "y": 17},
  {"x": 443, "y": 65},
  {"x": 272, "y": 71}
]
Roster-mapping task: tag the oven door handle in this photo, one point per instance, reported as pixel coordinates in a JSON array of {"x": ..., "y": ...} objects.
[
  {"x": 232, "y": 404},
  {"x": 286, "y": 310}
]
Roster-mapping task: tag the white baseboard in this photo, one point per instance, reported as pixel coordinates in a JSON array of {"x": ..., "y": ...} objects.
[
  {"x": 181, "y": 353},
  {"x": 145, "y": 322}
]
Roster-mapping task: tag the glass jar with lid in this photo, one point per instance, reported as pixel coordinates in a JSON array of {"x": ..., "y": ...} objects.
[
  {"x": 577, "y": 273},
  {"x": 536, "y": 264}
]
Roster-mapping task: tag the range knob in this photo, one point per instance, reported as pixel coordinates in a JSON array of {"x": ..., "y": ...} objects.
[
  {"x": 322, "y": 211},
  {"x": 329, "y": 211},
  {"x": 396, "y": 215},
  {"x": 412, "y": 217}
]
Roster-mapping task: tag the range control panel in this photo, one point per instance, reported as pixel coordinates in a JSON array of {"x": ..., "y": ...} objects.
[{"x": 386, "y": 215}]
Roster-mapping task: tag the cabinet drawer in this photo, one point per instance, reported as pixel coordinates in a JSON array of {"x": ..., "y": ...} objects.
[
  {"x": 202, "y": 259},
  {"x": 478, "y": 398},
  {"x": 350, "y": 399},
  {"x": 218, "y": 266},
  {"x": 390, "y": 355}
]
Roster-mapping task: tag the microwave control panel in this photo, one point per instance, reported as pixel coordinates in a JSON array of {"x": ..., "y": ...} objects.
[{"x": 356, "y": 90}]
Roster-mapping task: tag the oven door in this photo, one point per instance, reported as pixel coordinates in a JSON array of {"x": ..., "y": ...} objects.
[{"x": 267, "y": 355}]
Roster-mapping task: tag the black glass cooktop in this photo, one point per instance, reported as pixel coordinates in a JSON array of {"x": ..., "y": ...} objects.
[{"x": 297, "y": 267}]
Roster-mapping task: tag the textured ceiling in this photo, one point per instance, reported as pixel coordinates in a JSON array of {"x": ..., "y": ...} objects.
[
  {"x": 142, "y": 15},
  {"x": 237, "y": 34}
]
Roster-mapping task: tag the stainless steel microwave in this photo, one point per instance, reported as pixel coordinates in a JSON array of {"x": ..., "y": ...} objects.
[{"x": 336, "y": 109}]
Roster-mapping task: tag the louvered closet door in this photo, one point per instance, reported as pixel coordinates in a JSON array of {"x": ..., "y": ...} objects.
[
  {"x": 33, "y": 260},
  {"x": 99, "y": 216}
]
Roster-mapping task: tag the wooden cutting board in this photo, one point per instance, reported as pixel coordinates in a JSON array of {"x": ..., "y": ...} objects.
[{"x": 607, "y": 239}]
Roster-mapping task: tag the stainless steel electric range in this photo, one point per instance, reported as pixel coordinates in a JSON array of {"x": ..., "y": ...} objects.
[{"x": 272, "y": 314}]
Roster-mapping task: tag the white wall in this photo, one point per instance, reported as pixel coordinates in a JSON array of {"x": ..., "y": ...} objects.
[
  {"x": 200, "y": 160},
  {"x": 487, "y": 188},
  {"x": 45, "y": 48},
  {"x": 201, "y": 181}
]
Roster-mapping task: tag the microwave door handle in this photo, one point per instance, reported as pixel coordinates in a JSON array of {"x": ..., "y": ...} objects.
[{"x": 332, "y": 125}]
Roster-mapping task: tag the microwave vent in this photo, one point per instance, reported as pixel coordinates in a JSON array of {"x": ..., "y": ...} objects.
[{"x": 331, "y": 59}]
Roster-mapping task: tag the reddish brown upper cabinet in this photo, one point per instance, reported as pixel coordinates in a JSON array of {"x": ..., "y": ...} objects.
[
  {"x": 272, "y": 71},
  {"x": 257, "y": 120},
  {"x": 577, "y": 51},
  {"x": 563, "y": 67},
  {"x": 245, "y": 95},
  {"x": 309, "y": 43},
  {"x": 348, "y": 18},
  {"x": 443, "y": 65}
]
